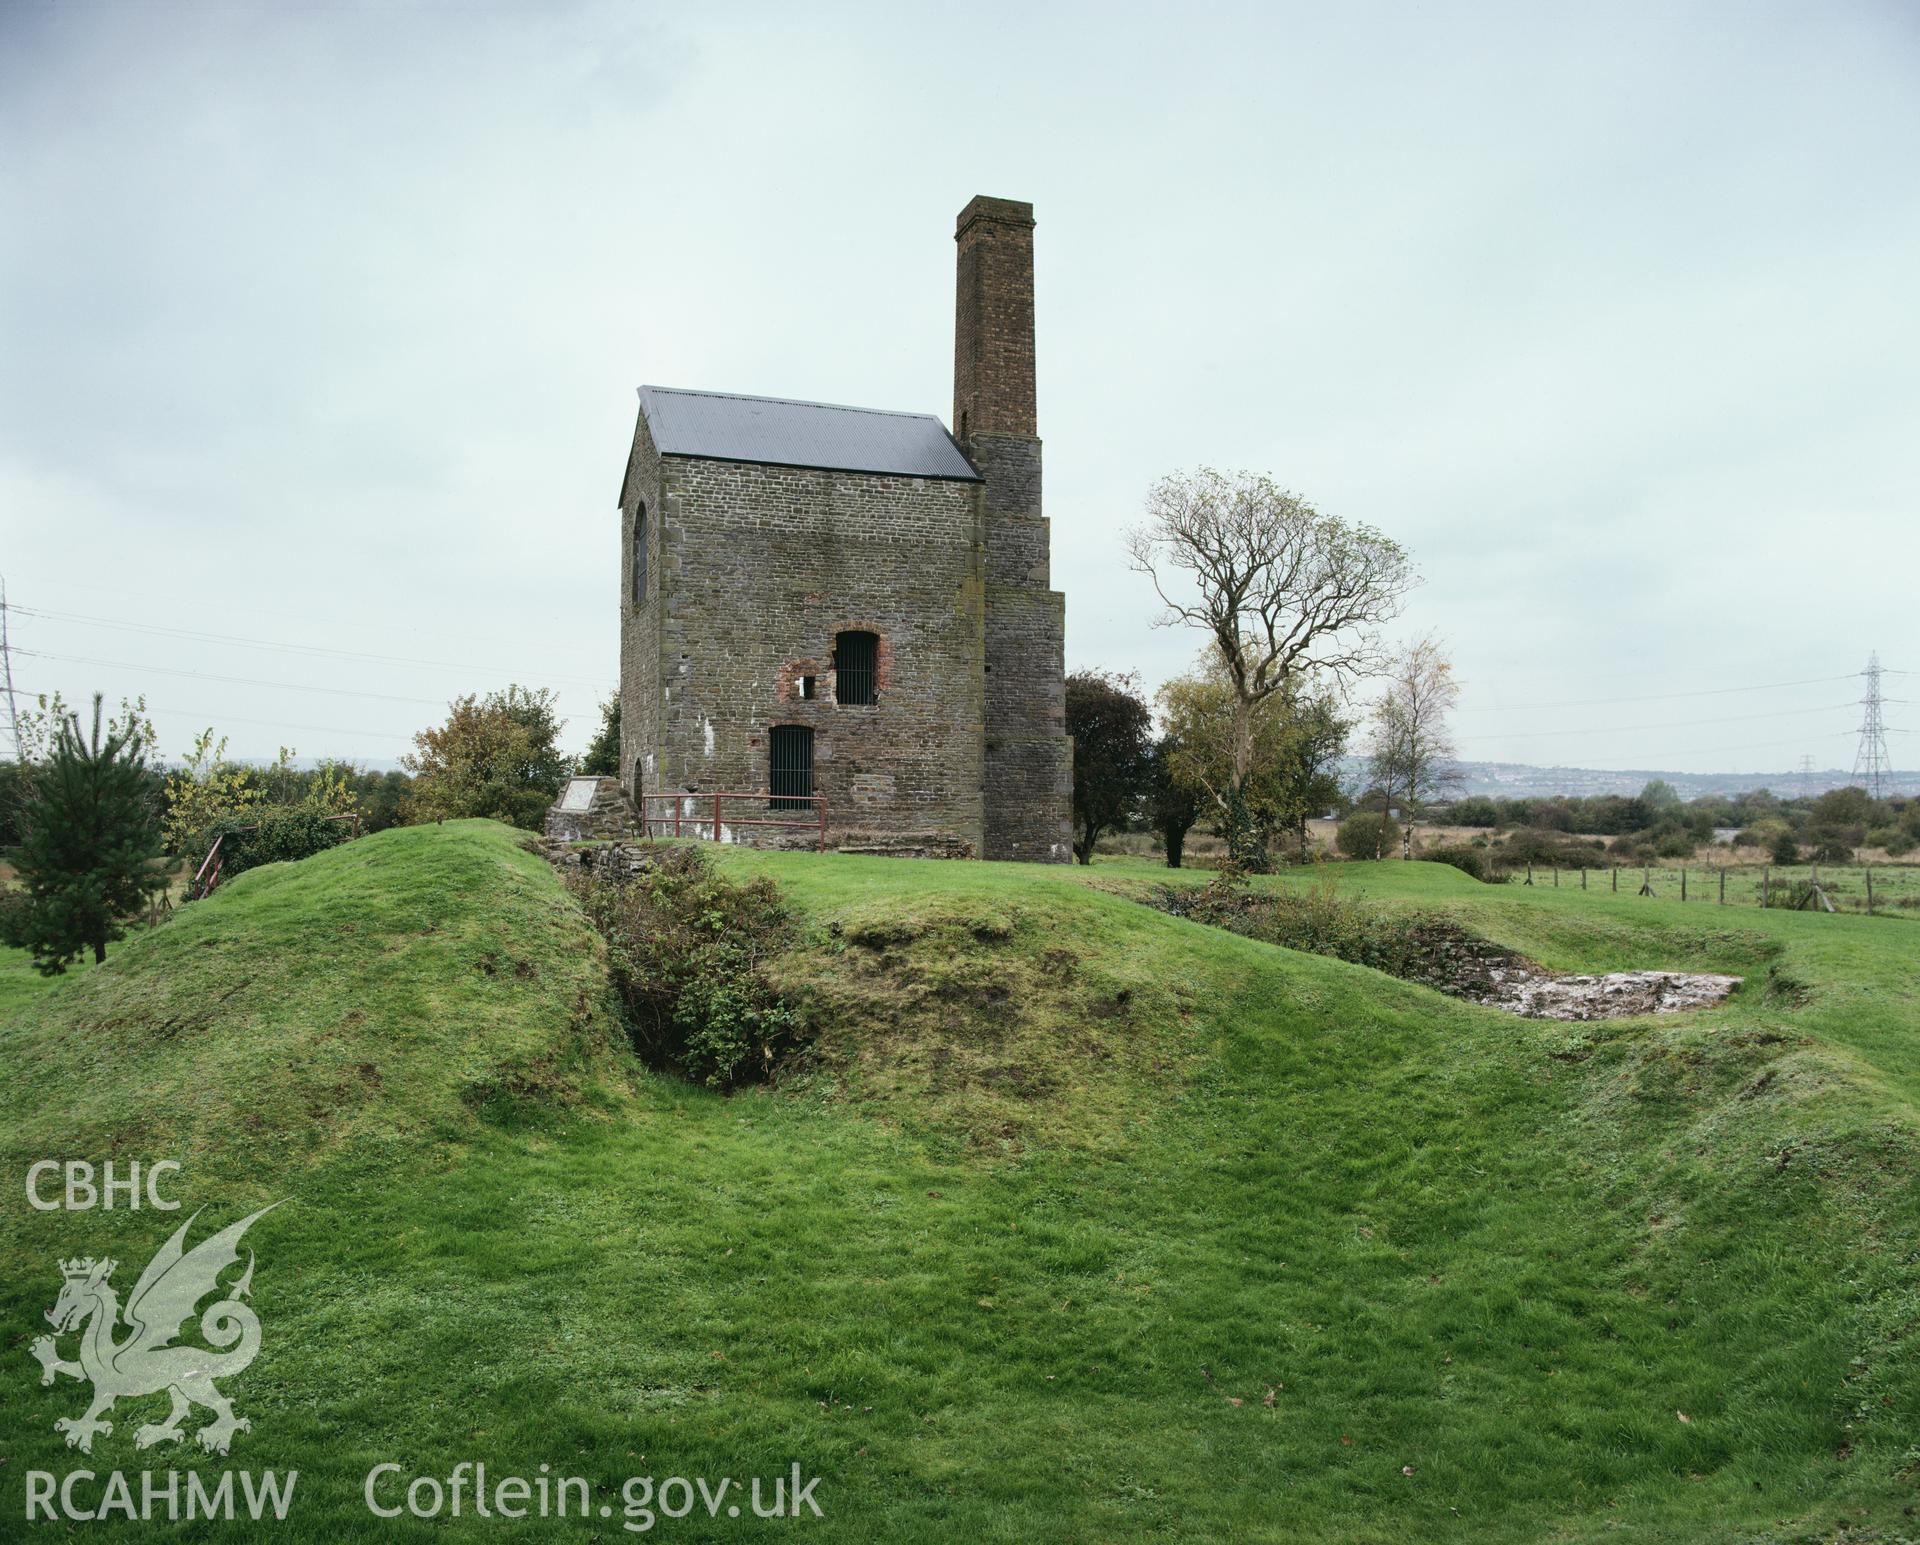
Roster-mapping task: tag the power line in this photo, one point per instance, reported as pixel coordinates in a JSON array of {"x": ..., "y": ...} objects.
[
  {"x": 1627, "y": 729},
  {"x": 228, "y": 608},
  {"x": 242, "y": 681},
  {"x": 6, "y": 670},
  {"x": 1660, "y": 697},
  {"x": 223, "y": 717},
  {"x": 1871, "y": 761},
  {"x": 197, "y": 636}
]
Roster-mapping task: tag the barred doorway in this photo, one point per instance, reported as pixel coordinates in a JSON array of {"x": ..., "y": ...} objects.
[{"x": 790, "y": 767}]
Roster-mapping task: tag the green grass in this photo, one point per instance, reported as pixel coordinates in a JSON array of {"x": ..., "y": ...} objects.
[
  {"x": 1896, "y": 887},
  {"x": 1068, "y": 1189}
]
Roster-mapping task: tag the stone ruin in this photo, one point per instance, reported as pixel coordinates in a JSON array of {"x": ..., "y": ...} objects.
[{"x": 591, "y": 810}]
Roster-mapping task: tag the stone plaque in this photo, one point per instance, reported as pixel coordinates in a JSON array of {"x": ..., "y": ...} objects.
[{"x": 578, "y": 794}]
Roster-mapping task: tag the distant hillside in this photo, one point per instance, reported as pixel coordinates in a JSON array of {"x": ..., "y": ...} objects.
[{"x": 1513, "y": 780}]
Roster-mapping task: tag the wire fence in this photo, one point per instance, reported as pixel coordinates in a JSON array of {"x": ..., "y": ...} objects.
[{"x": 1892, "y": 889}]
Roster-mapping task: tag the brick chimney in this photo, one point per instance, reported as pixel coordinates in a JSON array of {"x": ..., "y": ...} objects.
[{"x": 993, "y": 390}]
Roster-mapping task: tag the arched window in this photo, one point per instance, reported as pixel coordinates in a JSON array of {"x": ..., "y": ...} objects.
[
  {"x": 639, "y": 554},
  {"x": 790, "y": 767},
  {"x": 856, "y": 668}
]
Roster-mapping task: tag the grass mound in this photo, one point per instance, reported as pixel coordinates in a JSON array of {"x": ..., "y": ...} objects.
[
  {"x": 1085, "y": 1222},
  {"x": 995, "y": 1024},
  {"x": 395, "y": 985}
]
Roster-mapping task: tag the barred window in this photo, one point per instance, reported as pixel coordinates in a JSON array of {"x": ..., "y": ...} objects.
[
  {"x": 856, "y": 662},
  {"x": 790, "y": 767}
]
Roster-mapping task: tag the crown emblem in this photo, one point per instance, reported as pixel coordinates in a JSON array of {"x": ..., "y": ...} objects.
[{"x": 83, "y": 1269}]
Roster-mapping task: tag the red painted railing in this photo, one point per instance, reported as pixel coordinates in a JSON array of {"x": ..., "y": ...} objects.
[
  {"x": 209, "y": 873},
  {"x": 705, "y": 815}
]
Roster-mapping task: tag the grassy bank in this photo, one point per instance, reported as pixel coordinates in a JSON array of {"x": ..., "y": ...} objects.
[{"x": 1079, "y": 1221}]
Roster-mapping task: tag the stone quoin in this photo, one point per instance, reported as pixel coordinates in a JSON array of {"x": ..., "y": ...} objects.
[{"x": 856, "y": 604}]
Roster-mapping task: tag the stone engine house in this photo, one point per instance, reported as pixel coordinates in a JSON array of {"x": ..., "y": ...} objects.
[{"x": 855, "y": 604}]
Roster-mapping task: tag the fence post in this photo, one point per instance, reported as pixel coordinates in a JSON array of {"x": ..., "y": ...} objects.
[
  {"x": 716, "y": 817},
  {"x": 1766, "y": 883},
  {"x": 1583, "y": 877},
  {"x": 1723, "y": 887},
  {"x": 1616, "y": 878},
  {"x": 1869, "y": 890},
  {"x": 821, "y": 801},
  {"x": 1529, "y": 872},
  {"x": 1683, "y": 882},
  {"x": 1556, "y": 877}
]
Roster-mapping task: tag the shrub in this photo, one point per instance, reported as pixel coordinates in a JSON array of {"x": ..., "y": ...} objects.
[
  {"x": 1535, "y": 846},
  {"x": 1366, "y": 834},
  {"x": 1891, "y": 839},
  {"x": 687, "y": 949},
  {"x": 1783, "y": 849},
  {"x": 1833, "y": 850},
  {"x": 1791, "y": 896},
  {"x": 1468, "y": 860},
  {"x": 1762, "y": 834},
  {"x": 1416, "y": 946},
  {"x": 275, "y": 836},
  {"x": 1674, "y": 844}
]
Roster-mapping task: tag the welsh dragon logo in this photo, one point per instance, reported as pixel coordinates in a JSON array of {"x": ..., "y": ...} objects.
[{"x": 145, "y": 1362}]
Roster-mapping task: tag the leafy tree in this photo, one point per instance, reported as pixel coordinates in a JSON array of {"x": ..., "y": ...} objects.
[
  {"x": 1112, "y": 730},
  {"x": 1282, "y": 590},
  {"x": 1852, "y": 806},
  {"x": 1365, "y": 834},
  {"x": 1659, "y": 798},
  {"x": 1783, "y": 849},
  {"x": 603, "y": 756},
  {"x": 1412, "y": 753},
  {"x": 1299, "y": 736},
  {"x": 1306, "y": 777},
  {"x": 496, "y": 756},
  {"x": 1476, "y": 810},
  {"x": 1172, "y": 806},
  {"x": 205, "y": 791},
  {"x": 90, "y": 843}
]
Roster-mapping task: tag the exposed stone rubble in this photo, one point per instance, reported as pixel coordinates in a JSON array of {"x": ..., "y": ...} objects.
[{"x": 1617, "y": 995}]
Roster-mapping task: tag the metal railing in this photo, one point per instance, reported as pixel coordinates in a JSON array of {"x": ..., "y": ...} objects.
[
  {"x": 207, "y": 876},
  {"x": 705, "y": 815}
]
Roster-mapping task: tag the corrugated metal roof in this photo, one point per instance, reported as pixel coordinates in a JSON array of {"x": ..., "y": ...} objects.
[{"x": 775, "y": 432}]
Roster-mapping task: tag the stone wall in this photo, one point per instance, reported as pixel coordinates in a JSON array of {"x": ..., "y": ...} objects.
[
  {"x": 640, "y": 616},
  {"x": 609, "y": 816},
  {"x": 1029, "y": 759},
  {"x": 754, "y": 570}
]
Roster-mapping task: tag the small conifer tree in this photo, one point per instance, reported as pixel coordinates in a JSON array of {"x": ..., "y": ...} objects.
[{"x": 89, "y": 851}]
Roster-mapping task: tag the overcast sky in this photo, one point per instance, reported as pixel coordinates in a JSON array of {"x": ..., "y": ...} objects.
[{"x": 320, "y": 326}]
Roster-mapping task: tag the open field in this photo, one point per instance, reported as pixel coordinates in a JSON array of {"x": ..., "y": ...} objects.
[
  {"x": 1896, "y": 887},
  {"x": 1080, "y": 1222}
]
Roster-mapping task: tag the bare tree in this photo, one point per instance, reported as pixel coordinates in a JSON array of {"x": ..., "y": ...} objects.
[
  {"x": 1282, "y": 589},
  {"x": 1412, "y": 750}
]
